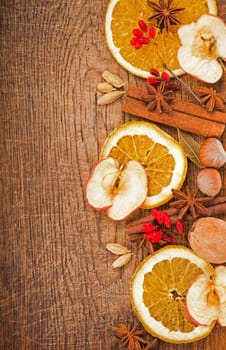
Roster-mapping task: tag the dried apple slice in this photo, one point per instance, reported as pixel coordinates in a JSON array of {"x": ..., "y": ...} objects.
[
  {"x": 119, "y": 190},
  {"x": 206, "y": 299},
  {"x": 131, "y": 191},
  {"x": 203, "y": 43},
  {"x": 100, "y": 185}
]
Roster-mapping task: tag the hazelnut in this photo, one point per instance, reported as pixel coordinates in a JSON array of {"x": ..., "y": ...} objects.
[
  {"x": 212, "y": 153},
  {"x": 207, "y": 238},
  {"x": 209, "y": 181}
]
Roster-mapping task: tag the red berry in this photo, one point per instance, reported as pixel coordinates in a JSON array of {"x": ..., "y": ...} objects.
[
  {"x": 151, "y": 32},
  {"x": 134, "y": 41},
  {"x": 180, "y": 227},
  {"x": 165, "y": 76},
  {"x": 151, "y": 81},
  {"x": 137, "y": 32},
  {"x": 142, "y": 25},
  {"x": 138, "y": 45},
  {"x": 172, "y": 87},
  {"x": 168, "y": 238},
  {"x": 155, "y": 236},
  {"x": 147, "y": 227},
  {"x": 144, "y": 40},
  {"x": 155, "y": 213},
  {"x": 154, "y": 72},
  {"x": 167, "y": 220}
]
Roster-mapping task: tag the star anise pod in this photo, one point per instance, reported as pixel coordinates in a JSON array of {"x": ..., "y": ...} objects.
[
  {"x": 210, "y": 98},
  {"x": 165, "y": 13},
  {"x": 188, "y": 202},
  {"x": 158, "y": 98},
  {"x": 143, "y": 241},
  {"x": 131, "y": 337}
]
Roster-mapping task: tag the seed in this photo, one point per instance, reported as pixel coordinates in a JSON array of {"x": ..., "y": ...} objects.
[
  {"x": 117, "y": 248},
  {"x": 112, "y": 79},
  {"x": 122, "y": 260},
  {"x": 105, "y": 87},
  {"x": 109, "y": 97}
]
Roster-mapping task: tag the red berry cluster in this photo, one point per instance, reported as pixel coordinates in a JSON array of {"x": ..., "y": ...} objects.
[
  {"x": 142, "y": 35},
  {"x": 158, "y": 229},
  {"x": 157, "y": 77}
]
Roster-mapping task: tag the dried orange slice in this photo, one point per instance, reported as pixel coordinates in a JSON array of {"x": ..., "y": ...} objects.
[
  {"x": 160, "y": 154},
  {"x": 158, "y": 291},
  {"x": 122, "y": 18}
]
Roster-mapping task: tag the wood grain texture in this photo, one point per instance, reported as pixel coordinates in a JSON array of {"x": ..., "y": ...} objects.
[{"x": 57, "y": 287}]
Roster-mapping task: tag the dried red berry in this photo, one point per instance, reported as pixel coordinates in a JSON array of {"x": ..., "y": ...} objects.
[
  {"x": 154, "y": 236},
  {"x": 155, "y": 213},
  {"x": 138, "y": 45},
  {"x": 152, "y": 32},
  {"x": 180, "y": 227},
  {"x": 166, "y": 220},
  {"x": 144, "y": 40},
  {"x": 154, "y": 72},
  {"x": 134, "y": 41},
  {"x": 147, "y": 227},
  {"x": 172, "y": 87},
  {"x": 165, "y": 76},
  {"x": 142, "y": 25},
  {"x": 151, "y": 81},
  {"x": 169, "y": 238},
  {"x": 137, "y": 32}
]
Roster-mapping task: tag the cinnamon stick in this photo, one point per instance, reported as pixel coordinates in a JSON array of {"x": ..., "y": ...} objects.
[
  {"x": 215, "y": 208},
  {"x": 191, "y": 118}
]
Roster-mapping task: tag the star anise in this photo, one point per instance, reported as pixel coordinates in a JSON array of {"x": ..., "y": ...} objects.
[
  {"x": 165, "y": 13},
  {"x": 143, "y": 241},
  {"x": 158, "y": 98},
  {"x": 210, "y": 98},
  {"x": 187, "y": 202},
  {"x": 131, "y": 337}
]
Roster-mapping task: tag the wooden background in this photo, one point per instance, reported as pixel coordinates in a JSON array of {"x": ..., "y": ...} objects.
[{"x": 57, "y": 287}]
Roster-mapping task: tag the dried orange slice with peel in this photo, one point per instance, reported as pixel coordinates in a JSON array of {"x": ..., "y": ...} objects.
[
  {"x": 160, "y": 154},
  {"x": 158, "y": 292},
  {"x": 122, "y": 18}
]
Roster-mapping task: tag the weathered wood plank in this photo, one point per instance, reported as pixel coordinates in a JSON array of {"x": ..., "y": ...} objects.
[{"x": 57, "y": 287}]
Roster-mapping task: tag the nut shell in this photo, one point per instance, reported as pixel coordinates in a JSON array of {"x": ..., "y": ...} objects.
[
  {"x": 207, "y": 238},
  {"x": 212, "y": 153},
  {"x": 209, "y": 181}
]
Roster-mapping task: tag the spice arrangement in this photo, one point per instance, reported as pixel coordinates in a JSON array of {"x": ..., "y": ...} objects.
[{"x": 142, "y": 167}]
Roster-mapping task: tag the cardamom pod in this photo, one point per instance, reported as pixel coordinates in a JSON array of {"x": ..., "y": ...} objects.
[
  {"x": 112, "y": 79},
  {"x": 109, "y": 97},
  {"x": 105, "y": 87},
  {"x": 122, "y": 260},
  {"x": 117, "y": 248}
]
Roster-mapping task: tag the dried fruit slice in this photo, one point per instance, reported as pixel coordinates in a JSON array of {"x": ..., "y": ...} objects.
[
  {"x": 119, "y": 190},
  {"x": 203, "y": 43},
  {"x": 122, "y": 18},
  {"x": 158, "y": 290},
  {"x": 162, "y": 157},
  {"x": 206, "y": 299}
]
